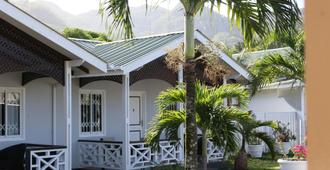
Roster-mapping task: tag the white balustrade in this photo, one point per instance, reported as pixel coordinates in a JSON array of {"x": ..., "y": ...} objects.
[
  {"x": 101, "y": 154},
  {"x": 142, "y": 156},
  {"x": 108, "y": 155},
  {"x": 51, "y": 159},
  {"x": 213, "y": 151}
]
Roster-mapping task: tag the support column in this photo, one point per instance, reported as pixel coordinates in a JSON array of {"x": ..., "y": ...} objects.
[
  {"x": 68, "y": 106},
  {"x": 126, "y": 142},
  {"x": 68, "y": 113},
  {"x": 180, "y": 107},
  {"x": 224, "y": 77},
  {"x": 302, "y": 116}
]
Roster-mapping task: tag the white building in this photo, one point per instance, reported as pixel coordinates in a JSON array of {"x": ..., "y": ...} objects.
[{"x": 78, "y": 103}]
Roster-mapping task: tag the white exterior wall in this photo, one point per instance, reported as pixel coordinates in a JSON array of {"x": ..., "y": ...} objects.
[
  {"x": 152, "y": 88},
  {"x": 281, "y": 105},
  {"x": 37, "y": 110},
  {"x": 114, "y": 108},
  {"x": 276, "y": 100}
]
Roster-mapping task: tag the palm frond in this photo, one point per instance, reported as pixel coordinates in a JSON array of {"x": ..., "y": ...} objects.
[
  {"x": 275, "y": 67},
  {"x": 231, "y": 91},
  {"x": 171, "y": 97},
  {"x": 268, "y": 140},
  {"x": 166, "y": 122},
  {"x": 258, "y": 18},
  {"x": 224, "y": 127},
  {"x": 118, "y": 11}
]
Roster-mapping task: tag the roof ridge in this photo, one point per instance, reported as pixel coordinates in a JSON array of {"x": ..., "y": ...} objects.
[
  {"x": 143, "y": 37},
  {"x": 87, "y": 40}
]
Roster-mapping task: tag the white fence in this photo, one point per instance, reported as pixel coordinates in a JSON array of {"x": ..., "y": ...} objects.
[
  {"x": 142, "y": 156},
  {"x": 214, "y": 152},
  {"x": 50, "y": 159},
  {"x": 101, "y": 154}
]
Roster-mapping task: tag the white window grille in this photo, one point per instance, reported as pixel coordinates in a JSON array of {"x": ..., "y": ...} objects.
[
  {"x": 11, "y": 113},
  {"x": 91, "y": 113}
]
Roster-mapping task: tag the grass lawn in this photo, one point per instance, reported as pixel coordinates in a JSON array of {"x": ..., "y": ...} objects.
[{"x": 264, "y": 163}]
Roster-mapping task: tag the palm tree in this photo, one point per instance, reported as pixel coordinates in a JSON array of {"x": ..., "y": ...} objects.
[
  {"x": 253, "y": 17},
  {"x": 213, "y": 118},
  {"x": 248, "y": 131},
  {"x": 278, "y": 67}
]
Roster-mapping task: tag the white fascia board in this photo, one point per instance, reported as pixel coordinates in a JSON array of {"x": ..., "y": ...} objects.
[
  {"x": 284, "y": 85},
  {"x": 152, "y": 56},
  {"x": 109, "y": 73},
  {"x": 230, "y": 61},
  {"x": 48, "y": 36}
]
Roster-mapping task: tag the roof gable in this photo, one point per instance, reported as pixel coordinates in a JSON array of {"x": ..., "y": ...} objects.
[{"x": 128, "y": 55}]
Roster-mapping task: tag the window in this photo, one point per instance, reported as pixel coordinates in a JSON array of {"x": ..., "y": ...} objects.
[
  {"x": 234, "y": 101},
  {"x": 11, "y": 123},
  {"x": 91, "y": 113}
]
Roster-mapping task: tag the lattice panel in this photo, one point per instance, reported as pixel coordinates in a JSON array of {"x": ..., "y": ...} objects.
[
  {"x": 141, "y": 156},
  {"x": 100, "y": 155},
  {"x": 169, "y": 152},
  {"x": 214, "y": 152},
  {"x": 53, "y": 159},
  {"x": 110, "y": 155},
  {"x": 21, "y": 52}
]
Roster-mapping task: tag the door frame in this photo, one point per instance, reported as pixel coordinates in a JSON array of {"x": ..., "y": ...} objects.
[{"x": 143, "y": 106}]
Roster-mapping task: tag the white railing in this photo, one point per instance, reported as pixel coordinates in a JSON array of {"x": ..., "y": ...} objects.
[
  {"x": 50, "y": 159},
  {"x": 142, "y": 156},
  {"x": 100, "y": 154},
  {"x": 214, "y": 152}
]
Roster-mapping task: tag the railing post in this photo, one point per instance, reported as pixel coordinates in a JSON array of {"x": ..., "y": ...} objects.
[
  {"x": 126, "y": 142},
  {"x": 181, "y": 147}
]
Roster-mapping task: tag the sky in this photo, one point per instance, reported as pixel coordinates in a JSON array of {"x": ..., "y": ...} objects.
[{"x": 80, "y": 6}]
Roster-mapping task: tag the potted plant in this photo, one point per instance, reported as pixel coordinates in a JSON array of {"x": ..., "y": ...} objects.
[
  {"x": 284, "y": 137},
  {"x": 248, "y": 130},
  {"x": 255, "y": 147},
  {"x": 295, "y": 160}
]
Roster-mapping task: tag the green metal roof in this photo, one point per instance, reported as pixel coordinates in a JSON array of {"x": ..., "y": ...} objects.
[
  {"x": 121, "y": 53},
  {"x": 89, "y": 45}
]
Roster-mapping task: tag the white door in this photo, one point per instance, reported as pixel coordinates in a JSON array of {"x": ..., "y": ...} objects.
[{"x": 135, "y": 119}]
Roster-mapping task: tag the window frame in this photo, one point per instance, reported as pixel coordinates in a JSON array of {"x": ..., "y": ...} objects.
[
  {"x": 22, "y": 120},
  {"x": 102, "y": 133}
]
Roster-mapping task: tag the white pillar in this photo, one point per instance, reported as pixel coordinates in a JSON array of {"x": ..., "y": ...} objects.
[
  {"x": 302, "y": 116},
  {"x": 225, "y": 102},
  {"x": 54, "y": 114},
  {"x": 68, "y": 106},
  {"x": 68, "y": 112},
  {"x": 180, "y": 107},
  {"x": 126, "y": 142}
]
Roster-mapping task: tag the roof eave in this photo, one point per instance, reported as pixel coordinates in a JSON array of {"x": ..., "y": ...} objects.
[{"x": 48, "y": 36}]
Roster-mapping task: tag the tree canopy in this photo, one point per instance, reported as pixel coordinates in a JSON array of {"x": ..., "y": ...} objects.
[{"x": 84, "y": 34}]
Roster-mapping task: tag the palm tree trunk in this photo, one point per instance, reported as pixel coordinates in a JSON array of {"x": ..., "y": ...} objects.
[
  {"x": 204, "y": 149},
  {"x": 241, "y": 159},
  {"x": 190, "y": 79}
]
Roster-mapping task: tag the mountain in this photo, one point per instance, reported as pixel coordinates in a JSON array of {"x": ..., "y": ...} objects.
[{"x": 154, "y": 21}]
